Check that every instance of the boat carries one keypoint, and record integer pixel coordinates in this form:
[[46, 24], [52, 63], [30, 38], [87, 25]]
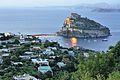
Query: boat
[[95, 40], [104, 39]]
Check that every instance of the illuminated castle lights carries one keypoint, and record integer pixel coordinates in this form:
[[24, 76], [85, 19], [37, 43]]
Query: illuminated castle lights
[[69, 24]]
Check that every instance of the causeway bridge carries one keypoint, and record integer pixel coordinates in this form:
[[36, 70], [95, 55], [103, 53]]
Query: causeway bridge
[[40, 35]]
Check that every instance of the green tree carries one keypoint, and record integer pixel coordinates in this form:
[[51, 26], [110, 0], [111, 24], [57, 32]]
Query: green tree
[[114, 76], [16, 41]]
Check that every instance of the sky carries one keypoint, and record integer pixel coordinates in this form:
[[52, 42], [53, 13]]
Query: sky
[[42, 3]]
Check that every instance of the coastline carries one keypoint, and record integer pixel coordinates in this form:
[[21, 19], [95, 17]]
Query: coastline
[[82, 27]]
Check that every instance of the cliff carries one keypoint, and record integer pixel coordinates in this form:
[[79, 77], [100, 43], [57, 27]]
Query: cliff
[[77, 26]]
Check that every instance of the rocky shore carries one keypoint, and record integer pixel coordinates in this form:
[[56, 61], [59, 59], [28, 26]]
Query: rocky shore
[[77, 26]]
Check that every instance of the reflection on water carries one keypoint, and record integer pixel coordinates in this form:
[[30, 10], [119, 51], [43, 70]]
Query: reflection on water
[[95, 44], [73, 41]]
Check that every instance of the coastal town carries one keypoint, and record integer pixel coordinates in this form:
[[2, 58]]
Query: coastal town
[[26, 57], [59, 39]]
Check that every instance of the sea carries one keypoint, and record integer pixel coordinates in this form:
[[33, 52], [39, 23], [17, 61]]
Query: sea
[[50, 20]]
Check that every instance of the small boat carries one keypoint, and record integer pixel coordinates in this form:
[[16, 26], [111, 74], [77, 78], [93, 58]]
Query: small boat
[[104, 39], [95, 40]]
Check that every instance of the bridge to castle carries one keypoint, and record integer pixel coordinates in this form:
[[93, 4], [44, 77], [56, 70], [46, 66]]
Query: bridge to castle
[[40, 35]]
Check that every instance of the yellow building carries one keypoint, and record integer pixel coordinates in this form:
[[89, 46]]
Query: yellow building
[[67, 22]]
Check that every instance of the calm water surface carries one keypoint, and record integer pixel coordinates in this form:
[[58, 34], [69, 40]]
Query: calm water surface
[[39, 20]]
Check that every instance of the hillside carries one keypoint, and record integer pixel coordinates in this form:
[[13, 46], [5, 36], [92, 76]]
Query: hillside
[[78, 26]]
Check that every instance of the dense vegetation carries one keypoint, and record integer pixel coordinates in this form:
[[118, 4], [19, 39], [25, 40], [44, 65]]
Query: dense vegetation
[[99, 66], [87, 24], [83, 66]]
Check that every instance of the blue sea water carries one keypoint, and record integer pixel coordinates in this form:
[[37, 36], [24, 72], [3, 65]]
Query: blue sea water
[[50, 20]]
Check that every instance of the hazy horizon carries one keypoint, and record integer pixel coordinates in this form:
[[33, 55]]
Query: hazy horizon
[[45, 3]]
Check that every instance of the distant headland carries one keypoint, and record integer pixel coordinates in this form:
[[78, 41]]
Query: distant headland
[[77, 26], [105, 10]]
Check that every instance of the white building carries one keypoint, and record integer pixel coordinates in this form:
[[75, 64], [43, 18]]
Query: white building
[[5, 54], [71, 53], [17, 63], [61, 64], [48, 51], [28, 53], [40, 61], [25, 57], [24, 77], [5, 50]]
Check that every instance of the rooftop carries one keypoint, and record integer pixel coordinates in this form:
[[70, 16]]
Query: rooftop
[[44, 69], [24, 77]]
